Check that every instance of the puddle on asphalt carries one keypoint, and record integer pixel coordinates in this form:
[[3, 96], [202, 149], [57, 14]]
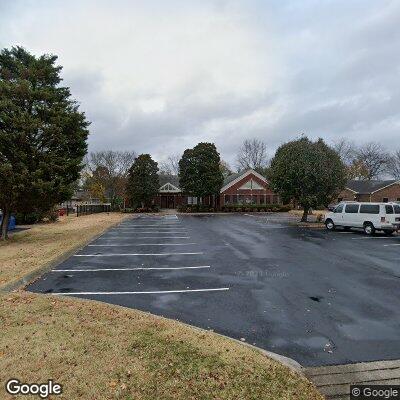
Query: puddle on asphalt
[[316, 298]]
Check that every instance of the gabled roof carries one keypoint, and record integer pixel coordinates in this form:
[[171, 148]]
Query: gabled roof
[[368, 187], [234, 178], [163, 179]]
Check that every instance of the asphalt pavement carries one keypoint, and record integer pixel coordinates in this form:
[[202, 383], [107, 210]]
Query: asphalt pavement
[[319, 297]]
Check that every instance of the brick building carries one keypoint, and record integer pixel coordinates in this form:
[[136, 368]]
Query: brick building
[[378, 191], [247, 187]]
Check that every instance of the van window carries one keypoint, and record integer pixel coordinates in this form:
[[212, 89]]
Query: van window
[[369, 209], [389, 209], [397, 209], [351, 208], [338, 209]]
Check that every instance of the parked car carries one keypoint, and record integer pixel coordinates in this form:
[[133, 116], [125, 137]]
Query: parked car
[[368, 216]]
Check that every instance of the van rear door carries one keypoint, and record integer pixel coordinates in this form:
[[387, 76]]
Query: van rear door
[[390, 215]]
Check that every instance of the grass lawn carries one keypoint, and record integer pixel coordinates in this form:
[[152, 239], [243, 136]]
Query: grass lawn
[[32, 249], [314, 212], [97, 351]]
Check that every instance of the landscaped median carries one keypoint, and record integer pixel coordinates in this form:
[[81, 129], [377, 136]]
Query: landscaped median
[[31, 251], [99, 351]]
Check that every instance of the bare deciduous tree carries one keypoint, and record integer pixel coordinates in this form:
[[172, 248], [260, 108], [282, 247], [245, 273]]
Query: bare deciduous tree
[[393, 168], [225, 168], [170, 166], [374, 158], [108, 169], [252, 154], [345, 149]]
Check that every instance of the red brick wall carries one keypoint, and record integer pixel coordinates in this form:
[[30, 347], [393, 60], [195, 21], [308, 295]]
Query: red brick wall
[[234, 190], [391, 192], [346, 195]]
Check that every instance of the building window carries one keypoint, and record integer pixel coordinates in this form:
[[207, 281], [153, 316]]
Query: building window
[[385, 200], [340, 199], [192, 200]]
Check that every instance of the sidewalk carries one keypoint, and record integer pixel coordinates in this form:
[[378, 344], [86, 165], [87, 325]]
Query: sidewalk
[[334, 381]]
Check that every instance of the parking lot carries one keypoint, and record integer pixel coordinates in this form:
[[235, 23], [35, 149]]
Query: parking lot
[[318, 297]]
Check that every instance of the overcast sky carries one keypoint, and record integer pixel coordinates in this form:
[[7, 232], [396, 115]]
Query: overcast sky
[[161, 76]]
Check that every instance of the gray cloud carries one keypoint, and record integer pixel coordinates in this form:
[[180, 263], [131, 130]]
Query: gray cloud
[[158, 76]]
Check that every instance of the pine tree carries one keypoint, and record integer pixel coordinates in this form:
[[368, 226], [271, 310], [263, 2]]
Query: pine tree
[[42, 134]]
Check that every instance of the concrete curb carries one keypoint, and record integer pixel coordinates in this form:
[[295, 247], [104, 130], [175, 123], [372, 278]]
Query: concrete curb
[[286, 361], [31, 276], [292, 364]]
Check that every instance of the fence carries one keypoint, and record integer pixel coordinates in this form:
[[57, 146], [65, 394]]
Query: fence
[[85, 209]]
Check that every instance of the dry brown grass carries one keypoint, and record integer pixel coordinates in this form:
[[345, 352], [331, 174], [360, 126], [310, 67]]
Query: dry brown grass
[[97, 351], [32, 249], [315, 212]]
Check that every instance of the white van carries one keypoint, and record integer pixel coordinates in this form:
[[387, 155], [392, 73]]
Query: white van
[[368, 216]]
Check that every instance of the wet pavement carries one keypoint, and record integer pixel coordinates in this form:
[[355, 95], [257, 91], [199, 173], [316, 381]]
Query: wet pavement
[[319, 297]]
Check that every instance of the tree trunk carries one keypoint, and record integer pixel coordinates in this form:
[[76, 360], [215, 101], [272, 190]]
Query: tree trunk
[[4, 223], [305, 214]]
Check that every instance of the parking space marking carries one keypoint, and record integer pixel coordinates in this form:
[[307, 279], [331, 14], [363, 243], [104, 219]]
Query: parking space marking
[[141, 244], [150, 292], [163, 225], [393, 244], [130, 269], [137, 254], [147, 237], [373, 237], [136, 232], [148, 229]]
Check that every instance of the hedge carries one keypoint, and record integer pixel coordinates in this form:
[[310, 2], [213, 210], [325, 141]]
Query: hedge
[[237, 208]]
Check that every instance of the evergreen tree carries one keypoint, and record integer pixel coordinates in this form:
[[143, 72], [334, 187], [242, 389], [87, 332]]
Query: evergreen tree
[[42, 134], [199, 170], [309, 173], [143, 181]]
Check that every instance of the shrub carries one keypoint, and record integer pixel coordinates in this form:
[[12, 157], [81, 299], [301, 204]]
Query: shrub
[[128, 210], [27, 218]]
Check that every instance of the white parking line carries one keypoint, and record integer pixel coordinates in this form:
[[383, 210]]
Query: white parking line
[[148, 230], [141, 244], [151, 292], [147, 237], [393, 244], [163, 225], [130, 269], [137, 254], [137, 232], [373, 237]]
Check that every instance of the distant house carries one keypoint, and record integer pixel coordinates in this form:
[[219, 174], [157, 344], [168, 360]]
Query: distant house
[[79, 197], [370, 191], [247, 187], [169, 194]]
